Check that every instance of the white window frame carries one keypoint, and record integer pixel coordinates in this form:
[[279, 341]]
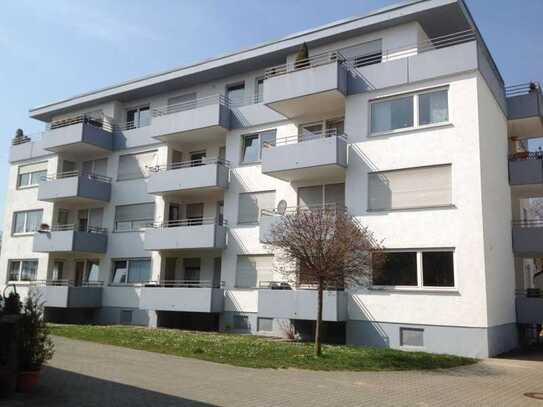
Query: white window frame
[[242, 149], [25, 233], [128, 260], [147, 172], [420, 283], [138, 110], [19, 186], [132, 229], [415, 98], [20, 261]]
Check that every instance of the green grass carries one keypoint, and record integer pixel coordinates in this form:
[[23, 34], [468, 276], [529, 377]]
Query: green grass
[[257, 352]]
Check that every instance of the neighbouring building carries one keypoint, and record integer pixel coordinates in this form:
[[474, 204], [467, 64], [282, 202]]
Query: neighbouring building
[[146, 202]]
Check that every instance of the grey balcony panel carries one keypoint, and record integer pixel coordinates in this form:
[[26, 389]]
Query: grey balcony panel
[[26, 151], [182, 299], [526, 172], [209, 176], [528, 241], [306, 160], [131, 138], [525, 106], [301, 304], [69, 241], [78, 187], [204, 123], [78, 138], [253, 115], [316, 90], [210, 236], [73, 297], [529, 310]]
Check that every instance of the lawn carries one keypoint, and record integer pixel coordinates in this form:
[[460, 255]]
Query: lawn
[[257, 352]]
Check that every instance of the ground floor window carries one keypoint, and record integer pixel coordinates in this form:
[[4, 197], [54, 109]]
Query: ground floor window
[[241, 322], [265, 324], [22, 270], [411, 337], [415, 268]]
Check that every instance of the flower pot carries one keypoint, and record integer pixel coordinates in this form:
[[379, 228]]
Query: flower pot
[[26, 381]]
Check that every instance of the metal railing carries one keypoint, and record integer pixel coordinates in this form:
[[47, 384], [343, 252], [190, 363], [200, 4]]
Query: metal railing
[[27, 138], [190, 105], [69, 227], [185, 284], [306, 63], [92, 119], [300, 138], [529, 292], [77, 173], [131, 125], [331, 206], [285, 285], [528, 223], [522, 89], [190, 222], [526, 155], [189, 164], [68, 283]]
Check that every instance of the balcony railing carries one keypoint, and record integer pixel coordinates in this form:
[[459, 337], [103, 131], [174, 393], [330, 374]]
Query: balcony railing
[[300, 138], [70, 174], [185, 284], [72, 283], [285, 285], [331, 206], [306, 63], [526, 155], [522, 89], [27, 138], [93, 119], [190, 222], [190, 105], [189, 164], [76, 228], [528, 223]]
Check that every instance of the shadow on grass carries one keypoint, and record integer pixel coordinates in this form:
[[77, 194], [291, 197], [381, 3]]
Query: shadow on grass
[[60, 387]]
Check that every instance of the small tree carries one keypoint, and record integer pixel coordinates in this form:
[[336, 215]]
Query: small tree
[[35, 346], [329, 248], [12, 304]]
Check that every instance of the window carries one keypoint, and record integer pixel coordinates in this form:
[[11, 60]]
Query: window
[[417, 268], [399, 112], [22, 270], [259, 90], [324, 128], [58, 271], [251, 204], [252, 270], [364, 54], [125, 317], [26, 221], [181, 103], [98, 167], [241, 322], [131, 271], [138, 117], [197, 158], [134, 166], [329, 195], [191, 268], [236, 94], [252, 145], [410, 188], [265, 324], [411, 337], [132, 218], [195, 213], [31, 175]]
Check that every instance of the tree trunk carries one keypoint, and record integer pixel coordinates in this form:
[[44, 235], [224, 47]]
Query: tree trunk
[[318, 322]]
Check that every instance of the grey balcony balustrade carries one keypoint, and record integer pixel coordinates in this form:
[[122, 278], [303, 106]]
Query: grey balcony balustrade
[[68, 294], [528, 237], [313, 156], [529, 304], [69, 238], [281, 300], [183, 296], [75, 186], [206, 174], [313, 86], [526, 168], [197, 233], [26, 147], [201, 120], [81, 135], [525, 110]]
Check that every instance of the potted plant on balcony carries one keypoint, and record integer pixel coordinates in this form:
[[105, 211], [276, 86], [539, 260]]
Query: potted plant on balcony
[[35, 347], [302, 57], [44, 228]]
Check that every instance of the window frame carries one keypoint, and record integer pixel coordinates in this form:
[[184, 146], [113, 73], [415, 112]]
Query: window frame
[[128, 260], [261, 146], [136, 124], [20, 269], [257, 222], [147, 172], [420, 281], [30, 176], [132, 229], [416, 114], [25, 232]]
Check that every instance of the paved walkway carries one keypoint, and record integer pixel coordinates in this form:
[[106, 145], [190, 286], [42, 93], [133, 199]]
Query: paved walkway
[[85, 374]]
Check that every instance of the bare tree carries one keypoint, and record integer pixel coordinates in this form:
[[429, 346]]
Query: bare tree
[[329, 248]]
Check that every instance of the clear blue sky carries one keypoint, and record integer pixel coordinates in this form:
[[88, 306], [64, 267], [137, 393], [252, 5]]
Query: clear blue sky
[[57, 48]]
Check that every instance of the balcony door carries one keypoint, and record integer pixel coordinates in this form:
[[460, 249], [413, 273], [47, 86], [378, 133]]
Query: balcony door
[[79, 273], [169, 271], [195, 213], [191, 271], [174, 213], [197, 158]]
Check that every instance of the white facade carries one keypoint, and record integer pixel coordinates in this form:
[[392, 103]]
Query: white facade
[[474, 315]]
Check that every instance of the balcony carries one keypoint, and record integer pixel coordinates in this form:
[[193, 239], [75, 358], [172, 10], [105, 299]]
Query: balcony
[[182, 296], [201, 233], [80, 136], [206, 174], [64, 294], [529, 306], [66, 238], [528, 237], [75, 186], [313, 86], [203, 120], [525, 110], [279, 300], [306, 157]]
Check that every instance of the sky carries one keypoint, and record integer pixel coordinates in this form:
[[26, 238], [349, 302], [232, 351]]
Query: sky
[[50, 50]]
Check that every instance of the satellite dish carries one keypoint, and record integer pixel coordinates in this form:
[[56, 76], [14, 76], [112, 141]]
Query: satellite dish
[[282, 207]]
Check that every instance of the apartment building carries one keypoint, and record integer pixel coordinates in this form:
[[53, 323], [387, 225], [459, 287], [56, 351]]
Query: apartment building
[[147, 202]]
